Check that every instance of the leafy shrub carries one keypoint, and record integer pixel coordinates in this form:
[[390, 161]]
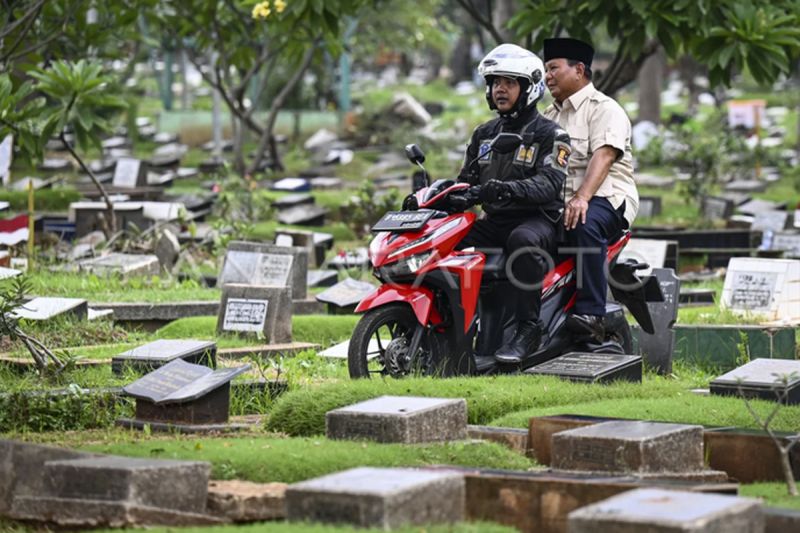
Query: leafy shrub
[[69, 410]]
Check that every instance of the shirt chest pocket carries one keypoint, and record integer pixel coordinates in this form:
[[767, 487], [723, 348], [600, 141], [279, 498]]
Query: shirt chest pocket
[[579, 138]]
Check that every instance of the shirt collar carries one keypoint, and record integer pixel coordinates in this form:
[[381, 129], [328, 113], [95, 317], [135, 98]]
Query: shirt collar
[[578, 98]]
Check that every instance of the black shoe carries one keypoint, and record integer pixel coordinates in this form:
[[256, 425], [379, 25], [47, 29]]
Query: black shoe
[[591, 325], [525, 341]]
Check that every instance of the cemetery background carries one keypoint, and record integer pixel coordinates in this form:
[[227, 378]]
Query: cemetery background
[[292, 426]]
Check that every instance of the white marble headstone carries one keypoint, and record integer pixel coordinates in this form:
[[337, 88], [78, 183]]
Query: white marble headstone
[[769, 288]]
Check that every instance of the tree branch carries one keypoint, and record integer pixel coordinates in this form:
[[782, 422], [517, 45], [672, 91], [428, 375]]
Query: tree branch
[[481, 20]]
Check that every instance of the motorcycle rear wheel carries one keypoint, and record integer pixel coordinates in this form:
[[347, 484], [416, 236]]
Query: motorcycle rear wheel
[[391, 327], [620, 333]]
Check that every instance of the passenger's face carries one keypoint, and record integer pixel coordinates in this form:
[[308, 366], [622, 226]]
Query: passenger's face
[[505, 92], [562, 80]]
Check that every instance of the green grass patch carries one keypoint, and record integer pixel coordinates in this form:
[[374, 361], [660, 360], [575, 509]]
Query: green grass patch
[[284, 527], [774, 494], [265, 459], [683, 407], [44, 200], [302, 411]]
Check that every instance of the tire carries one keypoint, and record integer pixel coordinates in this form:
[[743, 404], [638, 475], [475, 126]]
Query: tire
[[385, 324], [621, 334]]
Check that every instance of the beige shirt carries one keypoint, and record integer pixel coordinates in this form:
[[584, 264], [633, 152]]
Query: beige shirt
[[594, 120]]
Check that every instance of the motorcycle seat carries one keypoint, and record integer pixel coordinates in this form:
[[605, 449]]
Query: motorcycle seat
[[495, 267]]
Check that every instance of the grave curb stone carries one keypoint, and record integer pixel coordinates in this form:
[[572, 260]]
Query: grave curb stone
[[409, 420], [628, 512], [192, 351], [513, 438], [652, 447], [434, 498], [244, 501], [779, 520]]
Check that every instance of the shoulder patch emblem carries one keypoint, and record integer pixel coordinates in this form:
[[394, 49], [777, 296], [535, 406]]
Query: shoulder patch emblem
[[561, 153], [484, 153]]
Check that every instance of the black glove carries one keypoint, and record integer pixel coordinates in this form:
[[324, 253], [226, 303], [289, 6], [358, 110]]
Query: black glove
[[410, 203], [494, 190], [463, 201]]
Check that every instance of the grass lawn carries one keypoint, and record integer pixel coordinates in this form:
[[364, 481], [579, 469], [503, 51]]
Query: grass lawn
[[268, 458], [775, 494], [283, 527]]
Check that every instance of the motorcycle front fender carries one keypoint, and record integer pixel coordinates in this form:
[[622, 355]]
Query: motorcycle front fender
[[419, 298]]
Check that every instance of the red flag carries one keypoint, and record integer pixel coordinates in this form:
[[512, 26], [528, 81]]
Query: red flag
[[14, 230]]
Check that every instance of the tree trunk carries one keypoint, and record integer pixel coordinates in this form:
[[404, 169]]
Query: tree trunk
[[791, 485], [461, 62], [689, 69], [651, 80], [624, 70], [503, 11]]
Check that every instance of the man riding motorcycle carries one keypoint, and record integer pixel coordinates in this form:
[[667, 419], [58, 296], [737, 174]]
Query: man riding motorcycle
[[520, 191]]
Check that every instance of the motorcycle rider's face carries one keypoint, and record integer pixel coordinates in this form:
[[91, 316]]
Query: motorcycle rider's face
[[505, 92]]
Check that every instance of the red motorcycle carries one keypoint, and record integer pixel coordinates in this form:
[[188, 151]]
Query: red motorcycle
[[441, 311]]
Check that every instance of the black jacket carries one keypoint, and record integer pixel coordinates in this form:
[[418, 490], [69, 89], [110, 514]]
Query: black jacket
[[537, 168]]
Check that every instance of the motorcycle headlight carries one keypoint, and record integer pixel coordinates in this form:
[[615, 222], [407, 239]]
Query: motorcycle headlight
[[408, 265]]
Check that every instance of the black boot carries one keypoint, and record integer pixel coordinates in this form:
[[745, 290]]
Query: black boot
[[589, 325], [525, 341]]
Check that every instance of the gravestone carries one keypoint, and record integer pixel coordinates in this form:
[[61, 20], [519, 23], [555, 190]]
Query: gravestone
[[654, 252], [656, 349], [746, 186], [716, 208], [358, 258], [129, 173], [123, 264], [255, 264], [773, 221], [86, 216], [292, 200], [762, 378], [54, 164], [303, 215], [45, 308], [765, 287], [629, 447], [263, 310], [405, 419], [658, 182], [158, 353], [669, 511], [592, 367], [649, 206], [383, 498], [116, 142], [326, 183], [757, 205], [788, 242], [315, 242], [321, 278], [291, 185], [345, 296], [183, 394]]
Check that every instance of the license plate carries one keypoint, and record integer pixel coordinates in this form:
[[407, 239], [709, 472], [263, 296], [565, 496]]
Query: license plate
[[403, 221]]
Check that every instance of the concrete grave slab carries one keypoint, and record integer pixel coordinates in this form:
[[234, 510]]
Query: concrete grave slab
[[592, 367], [788, 242], [385, 498], [156, 354], [405, 419], [244, 501], [45, 308], [666, 511], [773, 221], [339, 351], [769, 288], [303, 215], [345, 295], [716, 208], [124, 264], [632, 447], [316, 278], [762, 378]]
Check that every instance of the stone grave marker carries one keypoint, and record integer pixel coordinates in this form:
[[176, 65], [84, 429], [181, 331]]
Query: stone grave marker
[[669, 511], [255, 263], [129, 173], [767, 287], [716, 208], [592, 367], [649, 206], [22, 184], [124, 264], [757, 205], [326, 183], [291, 185], [249, 309], [292, 200], [158, 353], [747, 186], [45, 308], [658, 182], [358, 258], [788, 242], [303, 215], [316, 243], [762, 378], [86, 216], [345, 296], [320, 278], [630, 447], [116, 142], [656, 349], [383, 498], [181, 393], [54, 164], [405, 419], [796, 219], [773, 221], [656, 253]]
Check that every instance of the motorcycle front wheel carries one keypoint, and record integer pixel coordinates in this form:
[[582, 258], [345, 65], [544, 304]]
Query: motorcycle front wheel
[[381, 342]]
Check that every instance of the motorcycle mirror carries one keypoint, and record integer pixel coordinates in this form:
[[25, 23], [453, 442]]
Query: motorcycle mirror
[[503, 143], [414, 154]]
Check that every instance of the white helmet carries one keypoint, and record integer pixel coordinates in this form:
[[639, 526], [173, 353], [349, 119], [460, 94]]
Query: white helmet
[[512, 61]]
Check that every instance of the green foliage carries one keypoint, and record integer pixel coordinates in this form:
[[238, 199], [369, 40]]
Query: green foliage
[[302, 411], [262, 460], [84, 100], [685, 408], [773, 493], [70, 410], [20, 116], [365, 208], [54, 200], [729, 35]]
